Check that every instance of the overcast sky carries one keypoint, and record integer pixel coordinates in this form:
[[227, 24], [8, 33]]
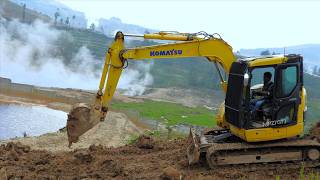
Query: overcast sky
[[243, 24]]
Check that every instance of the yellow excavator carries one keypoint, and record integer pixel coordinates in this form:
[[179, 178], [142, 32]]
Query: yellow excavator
[[270, 133]]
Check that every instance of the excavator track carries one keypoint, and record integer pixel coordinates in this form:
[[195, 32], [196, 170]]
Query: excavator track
[[227, 152], [270, 166]]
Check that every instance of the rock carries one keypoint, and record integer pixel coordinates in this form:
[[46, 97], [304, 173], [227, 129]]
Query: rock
[[83, 156], [170, 173], [3, 174], [145, 142], [13, 155]]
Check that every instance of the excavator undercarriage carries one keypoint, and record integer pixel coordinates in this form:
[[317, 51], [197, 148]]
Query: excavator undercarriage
[[220, 148]]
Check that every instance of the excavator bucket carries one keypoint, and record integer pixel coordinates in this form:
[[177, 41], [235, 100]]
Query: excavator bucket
[[81, 118], [193, 148]]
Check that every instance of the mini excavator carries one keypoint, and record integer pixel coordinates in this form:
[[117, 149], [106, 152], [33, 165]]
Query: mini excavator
[[271, 133]]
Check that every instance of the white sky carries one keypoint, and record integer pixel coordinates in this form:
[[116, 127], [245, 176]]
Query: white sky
[[243, 24]]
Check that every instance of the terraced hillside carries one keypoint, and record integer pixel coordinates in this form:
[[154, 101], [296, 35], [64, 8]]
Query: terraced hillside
[[10, 10]]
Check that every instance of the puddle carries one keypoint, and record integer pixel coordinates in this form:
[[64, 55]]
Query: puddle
[[15, 120]]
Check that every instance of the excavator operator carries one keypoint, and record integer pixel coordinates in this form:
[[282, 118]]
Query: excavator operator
[[266, 92]]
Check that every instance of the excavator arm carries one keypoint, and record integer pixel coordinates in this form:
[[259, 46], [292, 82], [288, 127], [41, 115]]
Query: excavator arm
[[83, 117]]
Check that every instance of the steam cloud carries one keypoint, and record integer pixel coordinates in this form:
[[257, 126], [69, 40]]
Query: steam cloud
[[41, 55]]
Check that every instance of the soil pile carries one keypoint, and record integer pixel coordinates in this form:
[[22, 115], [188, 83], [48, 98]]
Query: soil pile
[[147, 159]]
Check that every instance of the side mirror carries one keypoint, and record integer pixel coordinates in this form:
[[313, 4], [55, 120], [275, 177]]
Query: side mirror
[[246, 79]]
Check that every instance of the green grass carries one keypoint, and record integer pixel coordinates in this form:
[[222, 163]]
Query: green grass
[[132, 139], [169, 113]]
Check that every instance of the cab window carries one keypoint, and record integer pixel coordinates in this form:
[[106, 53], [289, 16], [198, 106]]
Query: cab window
[[288, 81], [257, 75]]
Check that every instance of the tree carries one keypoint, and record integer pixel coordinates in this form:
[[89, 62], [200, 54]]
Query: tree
[[67, 21], [265, 53], [92, 27], [73, 18], [146, 32], [146, 40], [23, 12], [56, 15]]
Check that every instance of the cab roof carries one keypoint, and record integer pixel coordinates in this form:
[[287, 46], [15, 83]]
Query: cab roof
[[268, 60]]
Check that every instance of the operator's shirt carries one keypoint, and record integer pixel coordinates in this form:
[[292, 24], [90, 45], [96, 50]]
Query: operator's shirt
[[268, 87]]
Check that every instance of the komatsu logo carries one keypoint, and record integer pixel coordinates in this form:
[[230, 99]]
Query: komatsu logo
[[166, 53]]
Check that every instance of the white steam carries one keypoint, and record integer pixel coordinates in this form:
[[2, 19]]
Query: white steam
[[39, 54], [135, 80]]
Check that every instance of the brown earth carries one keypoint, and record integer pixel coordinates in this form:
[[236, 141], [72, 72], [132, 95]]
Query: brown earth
[[161, 160]]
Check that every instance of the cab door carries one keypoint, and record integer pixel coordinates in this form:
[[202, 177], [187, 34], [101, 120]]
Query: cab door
[[288, 84]]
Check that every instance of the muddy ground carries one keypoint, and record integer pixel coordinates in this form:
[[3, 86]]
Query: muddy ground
[[146, 159]]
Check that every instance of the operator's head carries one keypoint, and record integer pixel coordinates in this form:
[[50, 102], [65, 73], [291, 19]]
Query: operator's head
[[267, 77]]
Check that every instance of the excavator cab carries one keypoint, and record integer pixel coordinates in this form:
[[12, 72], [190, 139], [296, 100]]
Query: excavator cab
[[269, 137], [281, 114]]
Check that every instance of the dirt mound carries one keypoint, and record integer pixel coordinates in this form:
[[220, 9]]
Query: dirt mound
[[165, 160]]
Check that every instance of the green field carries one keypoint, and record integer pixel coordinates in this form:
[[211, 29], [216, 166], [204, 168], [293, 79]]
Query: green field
[[169, 113]]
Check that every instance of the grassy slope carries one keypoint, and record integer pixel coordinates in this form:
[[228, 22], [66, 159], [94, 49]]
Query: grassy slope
[[169, 113]]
